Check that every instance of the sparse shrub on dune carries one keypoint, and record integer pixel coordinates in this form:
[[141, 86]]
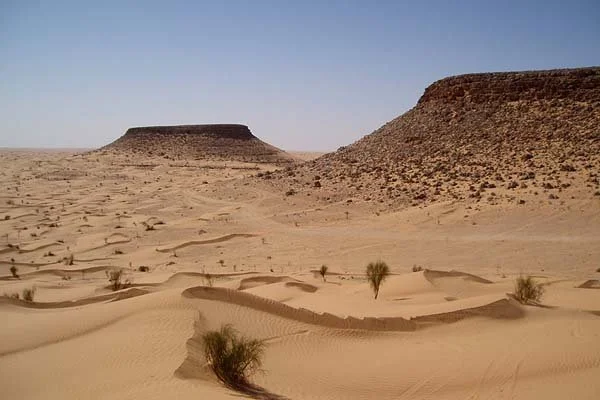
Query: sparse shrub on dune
[[28, 294], [115, 277], [69, 260], [417, 268], [233, 358], [147, 226], [14, 271], [323, 271], [377, 272], [527, 290]]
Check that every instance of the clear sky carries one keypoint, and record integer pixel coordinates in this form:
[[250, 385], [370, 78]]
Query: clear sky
[[303, 75]]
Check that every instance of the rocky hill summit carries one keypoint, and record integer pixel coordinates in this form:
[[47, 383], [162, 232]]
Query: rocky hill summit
[[219, 142], [491, 137]]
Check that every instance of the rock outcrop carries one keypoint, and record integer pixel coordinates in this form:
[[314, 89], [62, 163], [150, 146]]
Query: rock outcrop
[[219, 142], [490, 137]]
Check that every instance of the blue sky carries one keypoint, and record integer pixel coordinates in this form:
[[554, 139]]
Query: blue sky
[[304, 75]]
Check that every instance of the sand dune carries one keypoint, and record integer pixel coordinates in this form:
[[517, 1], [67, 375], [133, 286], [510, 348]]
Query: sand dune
[[166, 249], [251, 259]]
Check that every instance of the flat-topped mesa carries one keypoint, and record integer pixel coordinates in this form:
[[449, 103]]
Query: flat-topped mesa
[[490, 137], [219, 142], [580, 84], [225, 131]]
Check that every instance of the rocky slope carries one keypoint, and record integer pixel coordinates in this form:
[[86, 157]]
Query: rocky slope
[[199, 142], [491, 137]]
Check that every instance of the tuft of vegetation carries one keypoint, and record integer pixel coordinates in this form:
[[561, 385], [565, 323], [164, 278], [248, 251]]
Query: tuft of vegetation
[[115, 277], [28, 294], [147, 226], [143, 268], [233, 358], [377, 272], [209, 279], [527, 290], [417, 268], [69, 260], [14, 271], [118, 251], [323, 271]]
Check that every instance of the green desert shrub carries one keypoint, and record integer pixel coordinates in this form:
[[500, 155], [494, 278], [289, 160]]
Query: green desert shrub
[[69, 260], [115, 277], [28, 294], [528, 290], [209, 279], [417, 268], [323, 271], [377, 272], [233, 358]]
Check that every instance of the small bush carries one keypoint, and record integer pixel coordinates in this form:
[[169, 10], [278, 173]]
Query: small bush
[[232, 358], [417, 268], [28, 294], [209, 280], [14, 271], [528, 290], [148, 226], [118, 251], [376, 273], [143, 268], [323, 271], [115, 277], [69, 260]]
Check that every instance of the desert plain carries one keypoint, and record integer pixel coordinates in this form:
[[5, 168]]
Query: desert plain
[[219, 250]]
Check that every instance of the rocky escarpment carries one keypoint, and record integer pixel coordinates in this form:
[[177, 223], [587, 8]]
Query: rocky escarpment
[[218, 142], [496, 137], [580, 85]]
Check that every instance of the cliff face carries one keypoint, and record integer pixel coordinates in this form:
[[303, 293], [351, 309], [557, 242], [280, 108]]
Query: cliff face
[[212, 131], [222, 142], [487, 137], [568, 84]]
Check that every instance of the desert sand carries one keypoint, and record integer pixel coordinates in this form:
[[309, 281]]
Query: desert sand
[[220, 249]]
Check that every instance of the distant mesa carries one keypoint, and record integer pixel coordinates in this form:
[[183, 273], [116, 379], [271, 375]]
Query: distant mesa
[[485, 137], [219, 142]]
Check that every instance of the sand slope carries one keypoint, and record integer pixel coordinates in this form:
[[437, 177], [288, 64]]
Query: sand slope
[[232, 253]]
